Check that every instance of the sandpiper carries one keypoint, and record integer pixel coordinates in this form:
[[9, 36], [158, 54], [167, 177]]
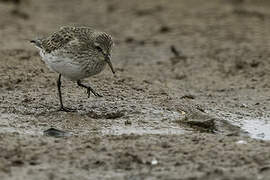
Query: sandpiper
[[76, 53]]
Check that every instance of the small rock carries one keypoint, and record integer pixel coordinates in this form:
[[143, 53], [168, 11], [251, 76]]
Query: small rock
[[164, 29], [55, 133], [188, 96], [241, 142], [154, 162], [243, 106], [183, 112], [129, 40], [128, 122]]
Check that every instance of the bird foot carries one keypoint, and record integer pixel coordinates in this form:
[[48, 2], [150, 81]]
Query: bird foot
[[89, 90]]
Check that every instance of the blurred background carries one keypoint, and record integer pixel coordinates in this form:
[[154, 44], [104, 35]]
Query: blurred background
[[215, 39]]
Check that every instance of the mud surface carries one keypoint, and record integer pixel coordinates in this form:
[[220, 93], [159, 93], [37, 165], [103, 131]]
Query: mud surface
[[190, 99]]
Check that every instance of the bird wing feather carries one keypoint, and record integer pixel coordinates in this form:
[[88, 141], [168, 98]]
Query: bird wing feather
[[66, 35], [57, 40]]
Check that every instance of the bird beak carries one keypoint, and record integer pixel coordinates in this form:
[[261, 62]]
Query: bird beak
[[108, 60]]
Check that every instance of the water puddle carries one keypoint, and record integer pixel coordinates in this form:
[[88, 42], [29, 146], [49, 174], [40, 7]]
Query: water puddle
[[148, 120], [257, 128], [143, 119], [118, 130]]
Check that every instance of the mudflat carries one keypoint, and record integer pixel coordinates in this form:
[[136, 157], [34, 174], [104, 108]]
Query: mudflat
[[190, 99]]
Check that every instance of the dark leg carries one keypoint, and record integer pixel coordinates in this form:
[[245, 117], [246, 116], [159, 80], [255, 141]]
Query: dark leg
[[89, 89], [62, 108]]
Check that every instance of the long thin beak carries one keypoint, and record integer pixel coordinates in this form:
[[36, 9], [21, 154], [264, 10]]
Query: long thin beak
[[108, 60]]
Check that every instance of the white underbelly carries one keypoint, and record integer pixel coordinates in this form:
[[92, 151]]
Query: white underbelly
[[64, 65]]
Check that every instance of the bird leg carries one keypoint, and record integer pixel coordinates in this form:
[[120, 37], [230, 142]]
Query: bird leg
[[89, 89], [62, 108]]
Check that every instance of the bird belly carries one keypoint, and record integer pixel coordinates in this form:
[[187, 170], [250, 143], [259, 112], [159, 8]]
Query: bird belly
[[64, 65]]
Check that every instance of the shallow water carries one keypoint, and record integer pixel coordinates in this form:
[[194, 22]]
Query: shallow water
[[257, 128], [150, 120], [118, 130]]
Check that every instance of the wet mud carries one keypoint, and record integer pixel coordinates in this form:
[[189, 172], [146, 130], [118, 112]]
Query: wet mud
[[190, 98]]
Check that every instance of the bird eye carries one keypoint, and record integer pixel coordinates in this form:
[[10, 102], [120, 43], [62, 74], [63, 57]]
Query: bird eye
[[99, 48]]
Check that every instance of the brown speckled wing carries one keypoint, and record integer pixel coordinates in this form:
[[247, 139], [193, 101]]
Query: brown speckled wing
[[57, 40], [65, 35]]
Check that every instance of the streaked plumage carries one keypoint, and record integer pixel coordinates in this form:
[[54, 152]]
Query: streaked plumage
[[76, 53]]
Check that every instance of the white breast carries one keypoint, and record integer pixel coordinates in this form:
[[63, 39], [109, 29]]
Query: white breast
[[63, 65]]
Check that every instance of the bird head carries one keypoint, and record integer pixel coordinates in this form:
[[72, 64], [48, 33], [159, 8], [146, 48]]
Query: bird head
[[103, 46]]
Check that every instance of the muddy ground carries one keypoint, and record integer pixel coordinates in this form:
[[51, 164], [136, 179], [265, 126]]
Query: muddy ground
[[190, 99]]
